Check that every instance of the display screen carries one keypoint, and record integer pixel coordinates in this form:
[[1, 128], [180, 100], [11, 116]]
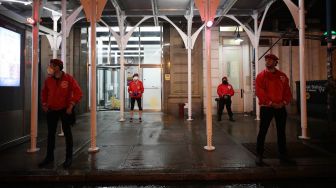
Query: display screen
[[10, 55]]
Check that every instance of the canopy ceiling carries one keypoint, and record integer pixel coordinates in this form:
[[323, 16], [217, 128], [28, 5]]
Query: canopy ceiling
[[278, 17]]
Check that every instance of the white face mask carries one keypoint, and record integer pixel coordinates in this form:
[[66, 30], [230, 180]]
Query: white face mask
[[50, 71], [135, 78]]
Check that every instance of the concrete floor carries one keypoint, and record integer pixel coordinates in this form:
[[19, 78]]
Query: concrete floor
[[163, 148]]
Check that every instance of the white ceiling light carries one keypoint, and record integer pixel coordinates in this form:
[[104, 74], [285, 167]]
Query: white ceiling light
[[230, 28], [209, 23]]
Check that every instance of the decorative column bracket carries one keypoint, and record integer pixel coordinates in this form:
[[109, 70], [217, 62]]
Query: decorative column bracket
[[123, 40], [294, 10], [71, 20], [253, 35], [182, 34]]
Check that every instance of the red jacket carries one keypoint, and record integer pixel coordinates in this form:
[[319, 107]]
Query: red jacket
[[272, 88], [58, 94], [225, 89], [137, 89]]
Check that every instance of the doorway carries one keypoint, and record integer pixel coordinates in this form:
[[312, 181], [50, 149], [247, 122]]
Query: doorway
[[108, 88], [153, 89], [232, 62]]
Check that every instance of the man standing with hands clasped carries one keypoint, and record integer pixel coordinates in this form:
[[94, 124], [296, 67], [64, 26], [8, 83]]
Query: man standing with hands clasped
[[225, 92], [273, 92], [60, 93]]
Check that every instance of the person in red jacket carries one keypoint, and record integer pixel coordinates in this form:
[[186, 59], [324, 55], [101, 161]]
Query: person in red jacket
[[60, 93], [225, 92], [273, 92], [135, 90]]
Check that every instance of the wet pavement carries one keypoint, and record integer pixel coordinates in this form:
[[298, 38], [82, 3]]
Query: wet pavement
[[163, 148]]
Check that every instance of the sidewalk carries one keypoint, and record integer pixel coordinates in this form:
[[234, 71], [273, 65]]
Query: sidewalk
[[164, 148]]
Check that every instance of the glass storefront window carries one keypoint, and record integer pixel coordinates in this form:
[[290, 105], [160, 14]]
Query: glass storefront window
[[143, 47]]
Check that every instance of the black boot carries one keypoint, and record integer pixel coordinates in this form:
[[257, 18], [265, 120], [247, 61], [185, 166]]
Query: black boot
[[259, 160], [67, 163], [231, 119], [46, 161]]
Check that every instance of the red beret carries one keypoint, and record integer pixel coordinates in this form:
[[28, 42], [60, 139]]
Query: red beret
[[272, 56], [56, 62]]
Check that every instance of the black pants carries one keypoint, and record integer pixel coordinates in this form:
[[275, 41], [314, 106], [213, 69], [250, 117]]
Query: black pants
[[266, 116], [52, 119], [227, 102], [133, 102]]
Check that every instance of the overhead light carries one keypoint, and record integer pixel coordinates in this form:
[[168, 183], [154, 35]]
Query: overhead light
[[17, 1], [209, 23], [31, 21], [237, 37]]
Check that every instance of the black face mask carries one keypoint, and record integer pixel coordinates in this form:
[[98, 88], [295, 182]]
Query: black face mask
[[224, 82]]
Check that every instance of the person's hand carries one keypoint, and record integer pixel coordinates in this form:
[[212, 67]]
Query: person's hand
[[45, 108], [69, 109], [130, 92]]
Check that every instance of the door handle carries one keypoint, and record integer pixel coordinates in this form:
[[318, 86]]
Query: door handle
[[241, 93]]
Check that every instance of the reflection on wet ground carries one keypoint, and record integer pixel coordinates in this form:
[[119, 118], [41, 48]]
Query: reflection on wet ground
[[164, 148]]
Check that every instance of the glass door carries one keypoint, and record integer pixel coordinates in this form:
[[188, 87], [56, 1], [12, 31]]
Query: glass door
[[108, 89]]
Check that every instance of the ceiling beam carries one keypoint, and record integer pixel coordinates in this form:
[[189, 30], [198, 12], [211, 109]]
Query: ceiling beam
[[225, 9], [120, 13], [155, 12], [191, 8], [10, 14], [240, 12], [262, 8], [116, 6]]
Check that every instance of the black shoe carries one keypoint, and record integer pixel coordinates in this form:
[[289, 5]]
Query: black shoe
[[131, 120], [287, 161], [259, 161], [231, 119], [67, 163], [140, 120], [45, 162]]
